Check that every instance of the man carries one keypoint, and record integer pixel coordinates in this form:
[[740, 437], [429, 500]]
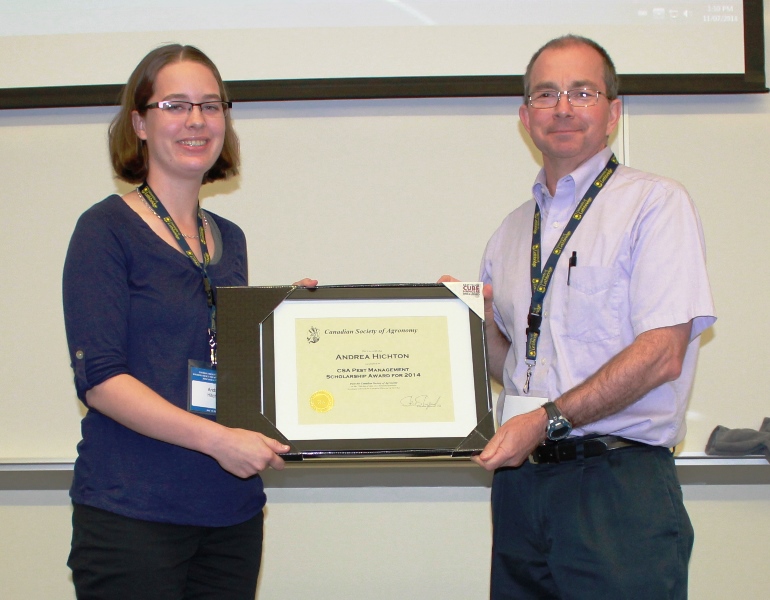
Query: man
[[597, 316]]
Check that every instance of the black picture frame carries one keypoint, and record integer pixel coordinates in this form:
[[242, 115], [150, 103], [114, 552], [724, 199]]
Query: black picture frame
[[246, 372]]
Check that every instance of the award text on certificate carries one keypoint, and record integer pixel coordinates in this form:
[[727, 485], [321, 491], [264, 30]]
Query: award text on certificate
[[373, 370]]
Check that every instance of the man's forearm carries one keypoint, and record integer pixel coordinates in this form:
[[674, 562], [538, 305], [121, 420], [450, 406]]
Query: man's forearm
[[654, 358]]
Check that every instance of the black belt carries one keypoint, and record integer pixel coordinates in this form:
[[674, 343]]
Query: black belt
[[572, 448]]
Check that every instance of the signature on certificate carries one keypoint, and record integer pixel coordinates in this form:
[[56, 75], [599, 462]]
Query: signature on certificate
[[422, 401]]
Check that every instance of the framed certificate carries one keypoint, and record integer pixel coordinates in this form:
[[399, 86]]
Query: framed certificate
[[356, 371]]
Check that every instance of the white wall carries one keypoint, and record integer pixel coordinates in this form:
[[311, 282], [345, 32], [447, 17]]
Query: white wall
[[378, 191]]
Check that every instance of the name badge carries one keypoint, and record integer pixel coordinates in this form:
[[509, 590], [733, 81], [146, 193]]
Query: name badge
[[518, 405], [201, 388]]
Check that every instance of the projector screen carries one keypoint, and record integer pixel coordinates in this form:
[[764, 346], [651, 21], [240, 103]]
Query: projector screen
[[75, 52]]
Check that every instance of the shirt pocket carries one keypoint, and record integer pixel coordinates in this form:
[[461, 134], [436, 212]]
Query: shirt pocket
[[593, 304]]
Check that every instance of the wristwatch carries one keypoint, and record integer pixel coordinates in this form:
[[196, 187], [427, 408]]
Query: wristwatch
[[558, 426]]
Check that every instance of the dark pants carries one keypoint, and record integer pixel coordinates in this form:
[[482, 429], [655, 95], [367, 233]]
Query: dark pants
[[612, 527], [115, 557]]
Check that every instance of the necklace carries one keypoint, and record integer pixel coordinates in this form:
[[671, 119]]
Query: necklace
[[152, 210]]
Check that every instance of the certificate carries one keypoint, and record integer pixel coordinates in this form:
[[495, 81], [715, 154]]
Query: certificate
[[373, 370], [355, 371]]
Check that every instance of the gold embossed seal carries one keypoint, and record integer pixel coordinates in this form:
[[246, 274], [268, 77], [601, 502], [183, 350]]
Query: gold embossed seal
[[321, 401]]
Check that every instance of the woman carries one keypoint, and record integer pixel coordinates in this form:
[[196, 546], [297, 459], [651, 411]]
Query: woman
[[167, 504]]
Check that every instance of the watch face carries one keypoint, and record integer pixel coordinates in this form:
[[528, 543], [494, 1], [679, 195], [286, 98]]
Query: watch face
[[559, 431]]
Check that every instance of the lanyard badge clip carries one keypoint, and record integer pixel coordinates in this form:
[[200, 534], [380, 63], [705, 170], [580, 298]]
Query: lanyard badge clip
[[530, 365], [213, 348], [534, 321]]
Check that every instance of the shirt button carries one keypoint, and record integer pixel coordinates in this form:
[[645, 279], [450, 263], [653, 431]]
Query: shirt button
[[542, 361], [556, 225]]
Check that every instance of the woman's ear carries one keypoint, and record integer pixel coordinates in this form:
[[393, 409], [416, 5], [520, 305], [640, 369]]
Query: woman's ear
[[137, 121]]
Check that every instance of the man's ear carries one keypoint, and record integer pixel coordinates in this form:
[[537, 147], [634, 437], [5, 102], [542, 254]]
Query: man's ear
[[616, 111], [524, 116]]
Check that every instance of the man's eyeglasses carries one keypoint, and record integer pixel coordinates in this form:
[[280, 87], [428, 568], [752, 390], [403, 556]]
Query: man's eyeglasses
[[581, 98], [181, 108]]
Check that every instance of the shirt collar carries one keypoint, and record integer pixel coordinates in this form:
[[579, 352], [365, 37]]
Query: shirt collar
[[579, 180]]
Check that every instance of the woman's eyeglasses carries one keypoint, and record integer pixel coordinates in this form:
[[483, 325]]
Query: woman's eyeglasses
[[181, 108]]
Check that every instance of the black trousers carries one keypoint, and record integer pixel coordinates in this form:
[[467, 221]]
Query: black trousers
[[608, 527], [115, 558]]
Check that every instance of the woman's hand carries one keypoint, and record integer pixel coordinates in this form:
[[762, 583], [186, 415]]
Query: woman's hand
[[306, 282], [245, 453]]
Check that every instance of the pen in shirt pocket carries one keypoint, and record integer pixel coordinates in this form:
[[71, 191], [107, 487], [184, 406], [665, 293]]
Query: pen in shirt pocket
[[572, 263]]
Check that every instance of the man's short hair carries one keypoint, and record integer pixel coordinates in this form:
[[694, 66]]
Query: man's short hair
[[610, 74]]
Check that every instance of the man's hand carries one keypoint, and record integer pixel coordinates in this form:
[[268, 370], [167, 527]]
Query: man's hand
[[514, 441]]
